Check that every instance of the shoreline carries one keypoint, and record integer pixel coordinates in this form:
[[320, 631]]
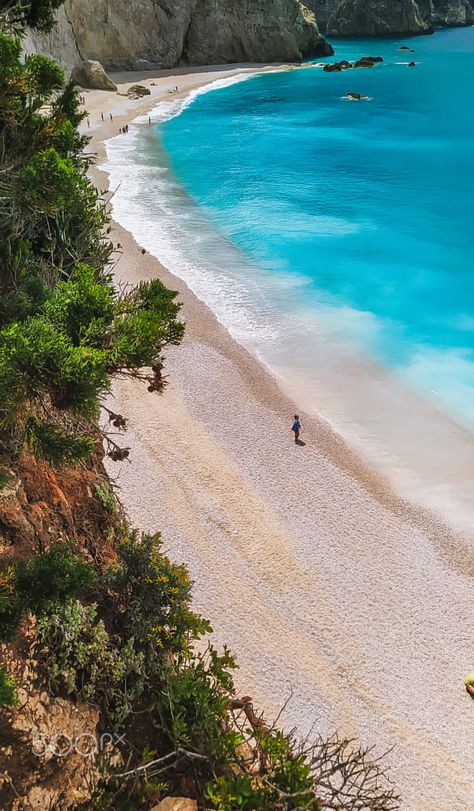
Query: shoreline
[[430, 465], [302, 550]]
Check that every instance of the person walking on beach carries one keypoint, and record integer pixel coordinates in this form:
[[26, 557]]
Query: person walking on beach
[[296, 427], [102, 116]]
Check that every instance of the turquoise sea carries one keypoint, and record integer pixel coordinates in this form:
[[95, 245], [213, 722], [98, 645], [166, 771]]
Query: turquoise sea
[[333, 238]]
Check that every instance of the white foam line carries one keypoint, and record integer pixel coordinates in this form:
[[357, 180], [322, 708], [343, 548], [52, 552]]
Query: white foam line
[[166, 110]]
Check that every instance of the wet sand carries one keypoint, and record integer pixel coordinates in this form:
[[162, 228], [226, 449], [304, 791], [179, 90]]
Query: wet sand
[[322, 580]]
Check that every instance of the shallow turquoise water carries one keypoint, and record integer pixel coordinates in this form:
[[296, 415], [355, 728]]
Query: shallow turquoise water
[[361, 211]]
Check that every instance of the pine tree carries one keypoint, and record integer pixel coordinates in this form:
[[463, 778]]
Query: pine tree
[[64, 330]]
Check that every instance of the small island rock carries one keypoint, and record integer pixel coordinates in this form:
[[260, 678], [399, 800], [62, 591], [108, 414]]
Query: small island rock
[[336, 67], [368, 61]]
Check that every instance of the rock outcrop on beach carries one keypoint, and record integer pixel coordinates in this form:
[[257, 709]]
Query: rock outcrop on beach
[[137, 91], [91, 74], [379, 18], [164, 33]]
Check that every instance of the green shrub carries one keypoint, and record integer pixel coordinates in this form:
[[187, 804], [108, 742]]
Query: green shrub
[[32, 585], [106, 496], [12, 607], [234, 793], [54, 576], [152, 600], [38, 14], [64, 329], [192, 704], [85, 661], [55, 445], [8, 696]]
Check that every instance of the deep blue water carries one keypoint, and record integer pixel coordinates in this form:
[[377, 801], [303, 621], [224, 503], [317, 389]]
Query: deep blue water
[[364, 208]]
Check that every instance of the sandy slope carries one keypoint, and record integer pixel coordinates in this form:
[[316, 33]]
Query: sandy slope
[[321, 580]]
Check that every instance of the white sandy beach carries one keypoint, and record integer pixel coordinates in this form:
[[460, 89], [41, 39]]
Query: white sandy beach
[[322, 580]]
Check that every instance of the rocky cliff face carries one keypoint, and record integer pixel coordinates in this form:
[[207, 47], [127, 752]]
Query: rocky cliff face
[[251, 30], [376, 18], [163, 33], [61, 43], [40, 507], [452, 12], [379, 18]]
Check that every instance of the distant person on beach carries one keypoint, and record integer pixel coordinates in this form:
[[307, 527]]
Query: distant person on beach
[[110, 114], [296, 427], [149, 120], [102, 116]]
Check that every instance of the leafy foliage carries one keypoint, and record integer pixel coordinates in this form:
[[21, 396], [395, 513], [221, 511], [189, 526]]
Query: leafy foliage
[[39, 14], [57, 363], [64, 329], [48, 207], [106, 497], [84, 660], [53, 576], [151, 600], [11, 607], [33, 585], [192, 704], [8, 696]]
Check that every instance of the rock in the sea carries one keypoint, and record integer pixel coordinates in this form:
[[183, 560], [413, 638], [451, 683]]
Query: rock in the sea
[[368, 61], [136, 91], [356, 97], [336, 67], [91, 74]]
